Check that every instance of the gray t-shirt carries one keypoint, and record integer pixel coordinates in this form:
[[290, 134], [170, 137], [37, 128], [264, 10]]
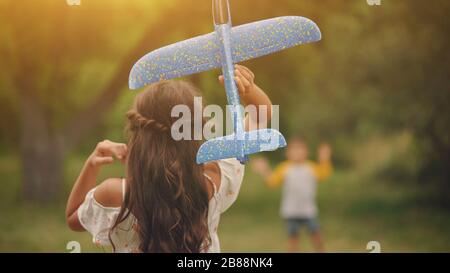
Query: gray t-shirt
[[299, 192]]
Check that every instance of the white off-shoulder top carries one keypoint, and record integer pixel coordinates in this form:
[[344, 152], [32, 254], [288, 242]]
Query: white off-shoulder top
[[98, 219]]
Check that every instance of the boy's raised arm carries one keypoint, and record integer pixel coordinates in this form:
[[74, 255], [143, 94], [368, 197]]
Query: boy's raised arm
[[260, 165], [277, 176], [324, 168]]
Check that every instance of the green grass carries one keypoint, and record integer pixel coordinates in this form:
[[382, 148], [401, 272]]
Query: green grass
[[354, 209]]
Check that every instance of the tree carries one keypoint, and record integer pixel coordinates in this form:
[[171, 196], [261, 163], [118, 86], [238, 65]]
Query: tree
[[47, 44]]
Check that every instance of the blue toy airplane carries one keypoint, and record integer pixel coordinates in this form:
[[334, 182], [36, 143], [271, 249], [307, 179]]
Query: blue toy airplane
[[222, 49]]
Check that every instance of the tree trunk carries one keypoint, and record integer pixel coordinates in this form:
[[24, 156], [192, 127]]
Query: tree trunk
[[41, 154]]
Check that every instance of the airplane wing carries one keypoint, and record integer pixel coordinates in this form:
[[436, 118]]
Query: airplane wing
[[269, 36], [202, 53], [177, 60]]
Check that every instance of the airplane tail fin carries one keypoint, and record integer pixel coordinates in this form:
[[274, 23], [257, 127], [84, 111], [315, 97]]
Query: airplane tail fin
[[239, 147]]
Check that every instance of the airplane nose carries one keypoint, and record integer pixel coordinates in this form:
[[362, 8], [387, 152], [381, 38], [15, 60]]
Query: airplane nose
[[221, 12]]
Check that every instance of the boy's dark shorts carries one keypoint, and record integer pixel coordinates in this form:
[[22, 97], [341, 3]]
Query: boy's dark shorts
[[293, 225]]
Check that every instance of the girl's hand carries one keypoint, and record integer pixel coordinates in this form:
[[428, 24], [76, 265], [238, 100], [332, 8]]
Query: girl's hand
[[105, 152], [251, 94], [245, 80]]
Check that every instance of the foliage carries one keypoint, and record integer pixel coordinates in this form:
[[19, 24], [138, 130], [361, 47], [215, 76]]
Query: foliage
[[379, 70]]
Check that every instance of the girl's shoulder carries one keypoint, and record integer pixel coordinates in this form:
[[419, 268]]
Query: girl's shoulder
[[110, 192], [100, 209]]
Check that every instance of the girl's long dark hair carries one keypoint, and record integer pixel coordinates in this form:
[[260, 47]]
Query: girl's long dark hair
[[166, 191]]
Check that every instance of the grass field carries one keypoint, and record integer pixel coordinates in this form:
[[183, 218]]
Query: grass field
[[353, 211]]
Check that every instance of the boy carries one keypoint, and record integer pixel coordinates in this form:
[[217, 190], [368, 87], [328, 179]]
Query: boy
[[299, 176]]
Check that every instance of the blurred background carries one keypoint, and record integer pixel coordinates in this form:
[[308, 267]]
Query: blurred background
[[376, 87]]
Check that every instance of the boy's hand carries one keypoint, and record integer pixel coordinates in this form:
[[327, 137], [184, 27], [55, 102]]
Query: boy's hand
[[245, 80], [324, 152], [105, 152], [260, 165]]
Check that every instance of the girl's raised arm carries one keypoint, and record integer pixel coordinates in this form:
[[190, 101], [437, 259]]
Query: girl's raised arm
[[251, 94], [103, 154]]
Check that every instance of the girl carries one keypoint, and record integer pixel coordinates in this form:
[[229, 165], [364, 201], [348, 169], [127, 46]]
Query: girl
[[167, 203]]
